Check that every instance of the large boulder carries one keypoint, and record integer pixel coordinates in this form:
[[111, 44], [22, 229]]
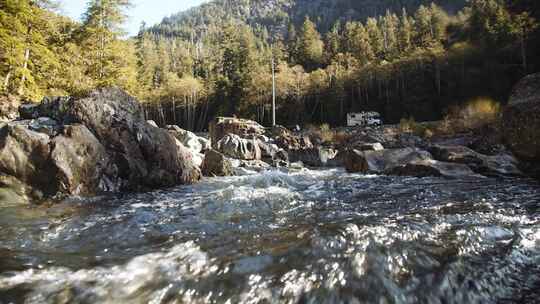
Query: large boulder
[[152, 123], [83, 165], [289, 141], [369, 147], [216, 164], [521, 119], [99, 143], [501, 164], [24, 156], [147, 157], [244, 128], [404, 162], [314, 157], [272, 154], [189, 139], [234, 146], [379, 162], [430, 167]]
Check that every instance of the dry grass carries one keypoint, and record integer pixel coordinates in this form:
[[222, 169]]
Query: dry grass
[[326, 135], [419, 129], [475, 114]]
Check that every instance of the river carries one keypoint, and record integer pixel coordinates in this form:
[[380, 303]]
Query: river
[[310, 236]]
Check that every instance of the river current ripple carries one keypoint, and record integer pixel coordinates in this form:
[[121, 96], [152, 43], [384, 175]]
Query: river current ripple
[[311, 236]]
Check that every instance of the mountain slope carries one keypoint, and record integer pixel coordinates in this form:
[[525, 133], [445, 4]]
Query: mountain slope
[[275, 15]]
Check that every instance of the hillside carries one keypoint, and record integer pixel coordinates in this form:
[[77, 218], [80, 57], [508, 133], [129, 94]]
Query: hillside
[[215, 60], [275, 15]]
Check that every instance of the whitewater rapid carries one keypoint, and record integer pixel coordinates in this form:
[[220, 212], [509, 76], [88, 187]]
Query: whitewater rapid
[[309, 236]]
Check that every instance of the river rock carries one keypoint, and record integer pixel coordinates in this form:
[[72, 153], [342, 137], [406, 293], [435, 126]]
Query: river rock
[[83, 165], [45, 125], [52, 107], [14, 192], [98, 143], [152, 123], [272, 154], [501, 164], [189, 139], [234, 146], [147, 157], [430, 167], [254, 165], [521, 119], [24, 155], [382, 161], [288, 141], [55, 107], [313, 157], [9, 106], [216, 164], [244, 128], [369, 147], [29, 111]]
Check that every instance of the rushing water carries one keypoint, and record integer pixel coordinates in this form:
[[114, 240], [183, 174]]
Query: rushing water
[[304, 237]]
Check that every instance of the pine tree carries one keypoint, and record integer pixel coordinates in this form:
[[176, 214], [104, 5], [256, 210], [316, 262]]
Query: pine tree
[[389, 25], [439, 23], [310, 49], [376, 39], [333, 43], [358, 42], [23, 27], [406, 33], [101, 29], [424, 31]]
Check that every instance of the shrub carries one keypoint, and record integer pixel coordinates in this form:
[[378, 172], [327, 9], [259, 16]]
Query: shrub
[[475, 114], [325, 134], [408, 125]]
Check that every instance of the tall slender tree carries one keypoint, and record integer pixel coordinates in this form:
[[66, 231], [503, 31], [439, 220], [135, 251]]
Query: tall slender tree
[[311, 46], [102, 23]]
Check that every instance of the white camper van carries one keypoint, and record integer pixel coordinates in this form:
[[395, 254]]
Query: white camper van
[[364, 119]]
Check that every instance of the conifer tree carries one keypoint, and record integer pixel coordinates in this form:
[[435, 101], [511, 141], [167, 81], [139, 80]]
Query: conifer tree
[[310, 48], [405, 32], [333, 43], [23, 31], [376, 39], [102, 23]]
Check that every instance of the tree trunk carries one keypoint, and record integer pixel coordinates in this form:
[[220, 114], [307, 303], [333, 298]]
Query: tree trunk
[[25, 66], [523, 53], [6, 80], [174, 110]]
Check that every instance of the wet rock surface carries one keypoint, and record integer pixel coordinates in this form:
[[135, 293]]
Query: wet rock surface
[[234, 146], [501, 164], [243, 128], [83, 165], [382, 161], [216, 164], [24, 156], [430, 167]]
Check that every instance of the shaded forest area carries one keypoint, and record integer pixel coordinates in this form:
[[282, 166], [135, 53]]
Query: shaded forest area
[[419, 61]]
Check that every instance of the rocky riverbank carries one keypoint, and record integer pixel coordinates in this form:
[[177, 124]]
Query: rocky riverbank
[[102, 144]]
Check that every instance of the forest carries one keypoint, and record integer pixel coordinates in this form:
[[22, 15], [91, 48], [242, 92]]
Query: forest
[[403, 58]]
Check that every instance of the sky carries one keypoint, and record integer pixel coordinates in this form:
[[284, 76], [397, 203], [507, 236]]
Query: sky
[[149, 11]]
